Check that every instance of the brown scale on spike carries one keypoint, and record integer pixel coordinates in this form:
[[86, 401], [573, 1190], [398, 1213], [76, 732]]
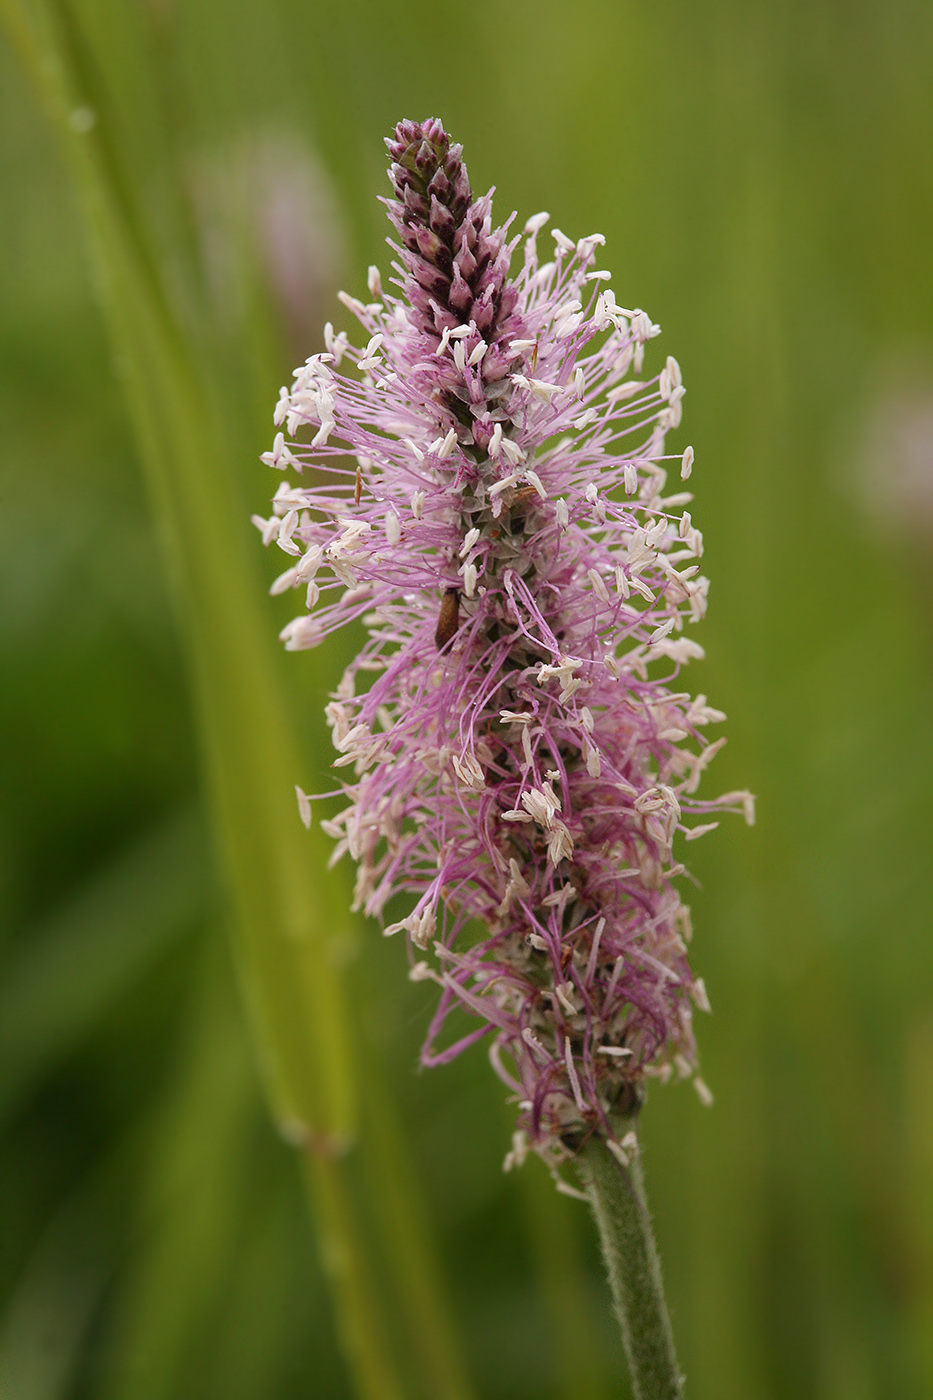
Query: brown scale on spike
[[449, 619]]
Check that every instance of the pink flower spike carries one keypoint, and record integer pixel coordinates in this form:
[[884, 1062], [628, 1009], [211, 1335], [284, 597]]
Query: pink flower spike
[[483, 483]]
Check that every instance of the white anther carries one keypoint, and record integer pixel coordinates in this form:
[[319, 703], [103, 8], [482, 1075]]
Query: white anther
[[352, 304], [511, 452], [443, 447], [534, 480], [283, 583], [564, 991], [539, 388], [588, 245], [704, 1093], [700, 996], [530, 1039], [621, 392], [536, 223], [469, 772], [618, 1152], [304, 806], [572, 1075], [526, 746], [503, 484], [599, 586]]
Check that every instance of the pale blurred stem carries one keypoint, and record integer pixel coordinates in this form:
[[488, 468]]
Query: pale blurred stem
[[289, 912], [343, 1253], [617, 1197]]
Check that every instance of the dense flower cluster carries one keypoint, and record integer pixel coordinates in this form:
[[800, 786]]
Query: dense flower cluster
[[487, 490]]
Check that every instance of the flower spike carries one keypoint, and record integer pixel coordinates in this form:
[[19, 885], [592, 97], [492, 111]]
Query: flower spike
[[489, 495]]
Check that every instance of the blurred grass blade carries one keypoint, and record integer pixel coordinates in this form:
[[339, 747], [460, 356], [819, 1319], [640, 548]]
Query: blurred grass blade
[[405, 1235], [70, 971], [52, 1308], [195, 1194], [287, 920], [553, 1226]]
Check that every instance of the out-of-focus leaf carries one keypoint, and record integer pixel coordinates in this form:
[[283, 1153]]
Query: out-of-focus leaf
[[577, 1336], [194, 1195], [45, 1323], [65, 975]]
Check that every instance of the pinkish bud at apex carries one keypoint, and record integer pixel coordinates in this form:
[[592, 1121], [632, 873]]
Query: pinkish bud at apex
[[456, 264]]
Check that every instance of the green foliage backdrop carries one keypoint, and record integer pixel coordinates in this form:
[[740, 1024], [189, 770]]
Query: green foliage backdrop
[[763, 173]]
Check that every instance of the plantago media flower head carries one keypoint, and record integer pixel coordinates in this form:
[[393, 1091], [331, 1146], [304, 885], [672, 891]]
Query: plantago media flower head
[[488, 493]]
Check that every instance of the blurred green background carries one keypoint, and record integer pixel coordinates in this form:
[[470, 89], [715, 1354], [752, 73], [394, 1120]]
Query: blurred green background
[[763, 173]]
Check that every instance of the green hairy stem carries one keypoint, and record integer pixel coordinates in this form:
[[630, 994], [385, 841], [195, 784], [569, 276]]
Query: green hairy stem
[[617, 1197]]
